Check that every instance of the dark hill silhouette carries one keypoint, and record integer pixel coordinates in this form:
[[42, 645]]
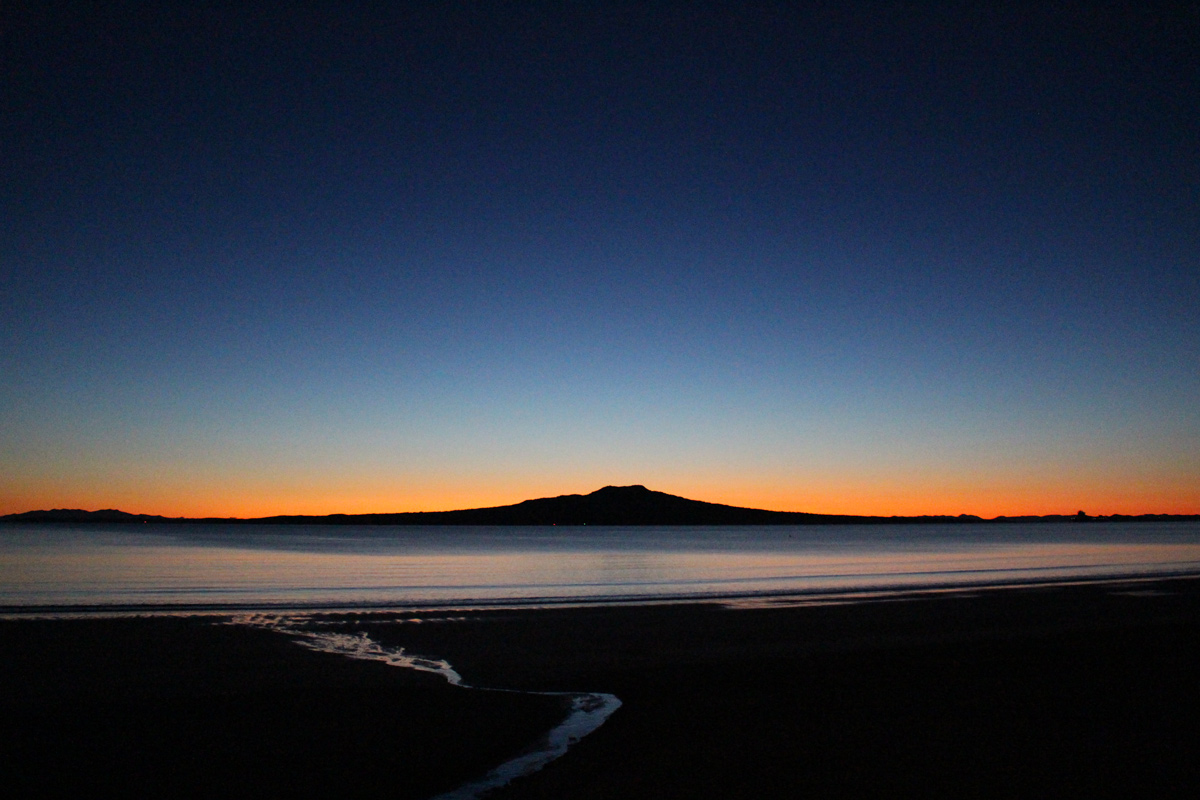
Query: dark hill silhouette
[[78, 515], [612, 505]]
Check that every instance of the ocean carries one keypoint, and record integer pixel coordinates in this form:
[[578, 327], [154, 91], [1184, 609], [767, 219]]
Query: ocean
[[218, 567]]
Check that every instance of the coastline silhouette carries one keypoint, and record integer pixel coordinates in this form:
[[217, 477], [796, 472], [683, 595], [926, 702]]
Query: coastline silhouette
[[611, 505]]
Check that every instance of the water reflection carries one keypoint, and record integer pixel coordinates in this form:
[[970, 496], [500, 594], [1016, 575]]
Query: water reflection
[[247, 565]]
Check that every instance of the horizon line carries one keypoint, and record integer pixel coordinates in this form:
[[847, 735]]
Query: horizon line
[[1079, 514]]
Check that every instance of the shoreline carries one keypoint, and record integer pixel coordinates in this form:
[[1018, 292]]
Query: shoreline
[[1035, 690], [766, 598]]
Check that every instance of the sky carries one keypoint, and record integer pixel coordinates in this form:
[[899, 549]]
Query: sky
[[886, 258]]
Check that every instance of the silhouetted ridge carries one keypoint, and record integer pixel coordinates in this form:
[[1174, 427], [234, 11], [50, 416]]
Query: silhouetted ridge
[[612, 505], [633, 505], [79, 515]]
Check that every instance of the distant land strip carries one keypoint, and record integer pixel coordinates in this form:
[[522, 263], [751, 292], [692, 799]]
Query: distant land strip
[[612, 505]]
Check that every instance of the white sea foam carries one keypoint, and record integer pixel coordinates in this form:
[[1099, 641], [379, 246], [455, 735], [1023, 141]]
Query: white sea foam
[[589, 710]]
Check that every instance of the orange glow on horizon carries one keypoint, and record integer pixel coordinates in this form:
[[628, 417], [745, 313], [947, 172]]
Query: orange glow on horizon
[[1012, 498], [988, 502]]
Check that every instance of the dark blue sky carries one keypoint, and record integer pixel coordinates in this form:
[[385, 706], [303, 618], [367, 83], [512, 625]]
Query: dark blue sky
[[870, 258]]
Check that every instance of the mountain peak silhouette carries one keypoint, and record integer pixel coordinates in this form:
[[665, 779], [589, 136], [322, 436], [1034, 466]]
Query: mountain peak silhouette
[[611, 505]]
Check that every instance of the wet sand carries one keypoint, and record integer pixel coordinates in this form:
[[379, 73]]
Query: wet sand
[[1049, 692]]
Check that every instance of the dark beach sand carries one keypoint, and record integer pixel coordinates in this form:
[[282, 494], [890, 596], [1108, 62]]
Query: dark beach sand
[[1050, 692], [180, 707]]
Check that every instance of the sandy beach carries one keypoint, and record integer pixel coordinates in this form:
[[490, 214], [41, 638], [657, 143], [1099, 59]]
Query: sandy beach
[[1046, 692], [159, 707]]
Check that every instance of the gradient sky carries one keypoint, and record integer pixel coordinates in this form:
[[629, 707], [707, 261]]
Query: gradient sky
[[882, 258]]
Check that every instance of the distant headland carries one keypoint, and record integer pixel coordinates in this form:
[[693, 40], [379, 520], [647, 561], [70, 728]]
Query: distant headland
[[612, 505]]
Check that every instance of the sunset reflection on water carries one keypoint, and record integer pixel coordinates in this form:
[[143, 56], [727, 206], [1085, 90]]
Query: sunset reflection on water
[[257, 565]]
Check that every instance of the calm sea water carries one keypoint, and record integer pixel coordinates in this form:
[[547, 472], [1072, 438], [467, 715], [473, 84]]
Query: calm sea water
[[265, 566]]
